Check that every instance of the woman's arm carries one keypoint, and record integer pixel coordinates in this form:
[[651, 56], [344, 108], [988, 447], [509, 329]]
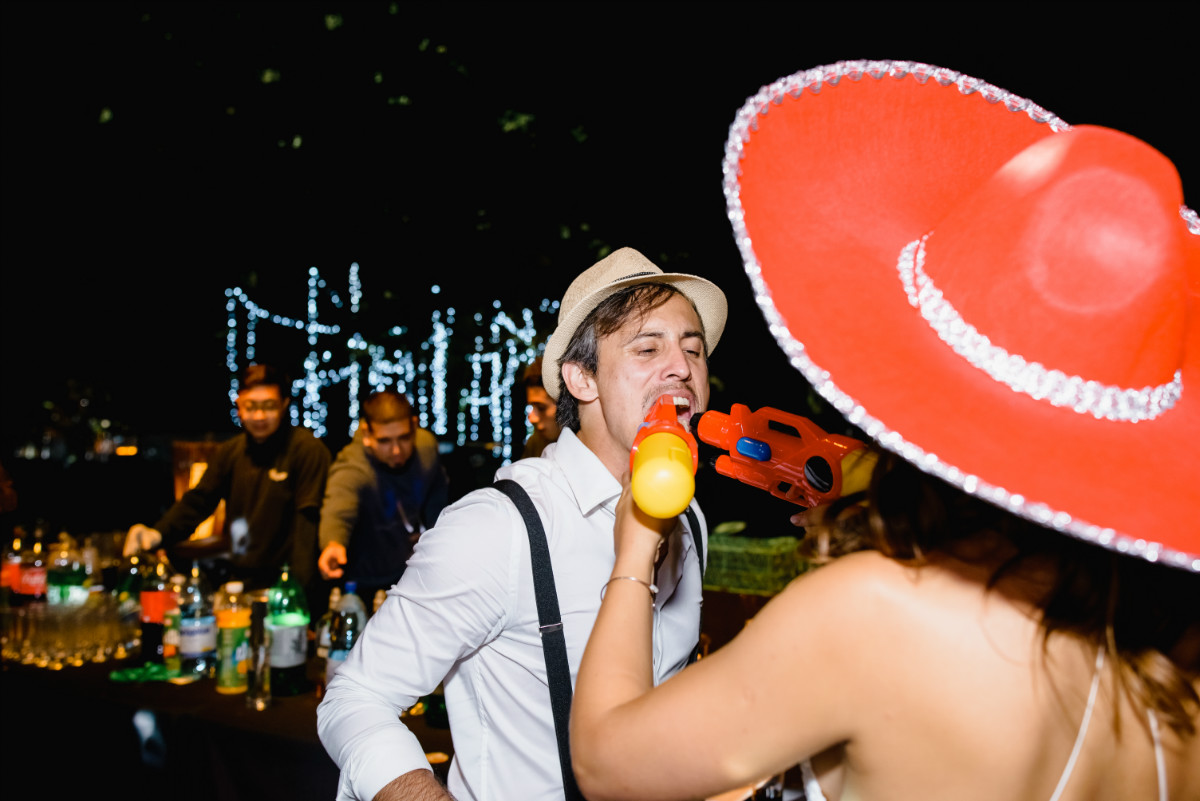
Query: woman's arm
[[780, 692]]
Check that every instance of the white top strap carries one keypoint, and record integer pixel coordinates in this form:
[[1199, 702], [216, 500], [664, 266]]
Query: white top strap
[[1083, 727]]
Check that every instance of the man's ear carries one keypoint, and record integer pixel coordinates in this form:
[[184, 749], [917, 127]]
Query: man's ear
[[579, 382]]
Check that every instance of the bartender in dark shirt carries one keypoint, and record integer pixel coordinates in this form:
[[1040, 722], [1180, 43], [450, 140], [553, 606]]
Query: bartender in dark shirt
[[272, 479]]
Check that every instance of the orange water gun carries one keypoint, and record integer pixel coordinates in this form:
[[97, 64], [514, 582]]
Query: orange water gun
[[662, 462], [775, 451]]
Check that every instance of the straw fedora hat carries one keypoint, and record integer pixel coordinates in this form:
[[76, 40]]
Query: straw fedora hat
[[620, 269], [1006, 301]]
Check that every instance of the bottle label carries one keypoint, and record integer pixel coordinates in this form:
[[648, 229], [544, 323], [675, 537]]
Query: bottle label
[[10, 573], [32, 581], [172, 623], [289, 645], [155, 604], [233, 657], [198, 636], [66, 594]]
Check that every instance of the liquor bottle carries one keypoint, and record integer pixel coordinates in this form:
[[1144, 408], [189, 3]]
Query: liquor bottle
[[233, 629], [89, 555], [173, 629], [287, 623], [129, 610], [258, 676], [380, 597], [325, 624], [155, 599], [197, 627]]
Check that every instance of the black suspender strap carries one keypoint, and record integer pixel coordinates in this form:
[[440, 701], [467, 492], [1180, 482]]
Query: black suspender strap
[[698, 542], [554, 643]]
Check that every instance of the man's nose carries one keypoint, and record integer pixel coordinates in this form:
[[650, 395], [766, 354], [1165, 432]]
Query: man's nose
[[677, 364]]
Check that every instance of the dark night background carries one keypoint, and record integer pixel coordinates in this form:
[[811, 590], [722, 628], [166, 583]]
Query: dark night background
[[156, 154]]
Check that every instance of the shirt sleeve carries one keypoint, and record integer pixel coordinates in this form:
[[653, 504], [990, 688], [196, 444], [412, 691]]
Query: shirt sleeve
[[339, 510], [195, 505], [454, 597]]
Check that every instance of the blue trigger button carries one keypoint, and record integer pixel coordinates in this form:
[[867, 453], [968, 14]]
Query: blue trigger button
[[754, 449]]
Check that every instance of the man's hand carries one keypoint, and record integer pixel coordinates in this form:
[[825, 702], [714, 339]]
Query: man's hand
[[637, 536], [416, 785], [141, 538], [331, 560]]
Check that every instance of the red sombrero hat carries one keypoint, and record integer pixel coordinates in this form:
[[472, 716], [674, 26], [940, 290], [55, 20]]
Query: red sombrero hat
[[1010, 303]]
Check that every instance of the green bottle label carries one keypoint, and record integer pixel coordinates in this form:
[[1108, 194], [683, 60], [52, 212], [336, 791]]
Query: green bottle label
[[233, 658]]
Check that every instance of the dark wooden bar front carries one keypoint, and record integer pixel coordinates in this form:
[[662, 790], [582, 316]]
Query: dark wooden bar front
[[74, 733]]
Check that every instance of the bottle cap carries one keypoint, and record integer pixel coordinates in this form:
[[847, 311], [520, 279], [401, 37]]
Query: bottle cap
[[234, 587]]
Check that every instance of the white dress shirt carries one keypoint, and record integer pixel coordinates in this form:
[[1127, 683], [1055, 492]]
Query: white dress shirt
[[464, 614]]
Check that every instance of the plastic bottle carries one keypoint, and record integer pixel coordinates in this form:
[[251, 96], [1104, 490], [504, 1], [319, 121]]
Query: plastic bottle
[[233, 630], [66, 574], [197, 628], [31, 581], [10, 569], [348, 623], [155, 598], [287, 622]]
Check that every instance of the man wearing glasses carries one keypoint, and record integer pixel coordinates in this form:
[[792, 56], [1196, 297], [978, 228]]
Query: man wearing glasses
[[272, 479]]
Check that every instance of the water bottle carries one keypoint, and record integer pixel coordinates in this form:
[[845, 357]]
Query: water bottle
[[348, 623], [233, 632], [287, 622], [197, 628]]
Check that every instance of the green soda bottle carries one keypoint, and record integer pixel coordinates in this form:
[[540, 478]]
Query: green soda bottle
[[287, 622]]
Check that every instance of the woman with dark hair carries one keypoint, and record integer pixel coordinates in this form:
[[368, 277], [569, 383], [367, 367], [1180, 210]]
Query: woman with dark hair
[[1012, 609]]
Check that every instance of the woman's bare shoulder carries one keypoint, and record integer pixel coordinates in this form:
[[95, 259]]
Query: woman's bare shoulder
[[869, 591]]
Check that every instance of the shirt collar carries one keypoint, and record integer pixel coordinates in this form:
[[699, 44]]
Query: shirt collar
[[591, 483]]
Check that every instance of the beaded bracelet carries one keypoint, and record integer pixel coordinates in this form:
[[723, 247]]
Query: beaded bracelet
[[653, 588]]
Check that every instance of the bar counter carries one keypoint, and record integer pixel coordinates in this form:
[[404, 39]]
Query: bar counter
[[75, 731]]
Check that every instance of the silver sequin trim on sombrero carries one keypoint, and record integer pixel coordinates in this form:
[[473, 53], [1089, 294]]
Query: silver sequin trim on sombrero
[[1102, 401], [812, 81]]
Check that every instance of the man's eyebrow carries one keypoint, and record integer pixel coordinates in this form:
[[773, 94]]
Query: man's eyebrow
[[655, 334]]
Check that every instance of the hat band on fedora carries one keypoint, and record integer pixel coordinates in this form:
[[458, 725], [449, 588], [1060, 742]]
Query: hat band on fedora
[[1102, 401]]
